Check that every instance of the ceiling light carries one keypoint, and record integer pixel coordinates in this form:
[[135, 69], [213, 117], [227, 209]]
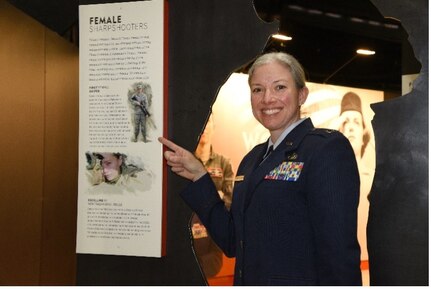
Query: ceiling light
[[365, 52], [374, 23], [359, 51], [333, 15], [296, 7], [391, 26], [357, 20], [282, 37], [315, 11]]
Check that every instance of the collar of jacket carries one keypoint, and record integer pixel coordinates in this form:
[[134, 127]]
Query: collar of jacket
[[289, 144]]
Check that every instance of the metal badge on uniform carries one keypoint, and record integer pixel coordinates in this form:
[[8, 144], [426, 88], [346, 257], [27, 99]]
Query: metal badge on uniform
[[239, 178], [292, 156], [286, 171]]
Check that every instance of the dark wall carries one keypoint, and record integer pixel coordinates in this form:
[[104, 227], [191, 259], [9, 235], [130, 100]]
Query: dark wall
[[208, 39], [398, 220]]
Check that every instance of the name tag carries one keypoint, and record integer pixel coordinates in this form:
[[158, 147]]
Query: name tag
[[286, 171], [239, 178]]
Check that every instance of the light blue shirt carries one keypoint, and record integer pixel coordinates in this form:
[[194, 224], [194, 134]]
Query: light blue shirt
[[284, 134]]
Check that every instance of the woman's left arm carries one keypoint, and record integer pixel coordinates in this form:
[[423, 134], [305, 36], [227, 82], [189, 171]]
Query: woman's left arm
[[333, 197]]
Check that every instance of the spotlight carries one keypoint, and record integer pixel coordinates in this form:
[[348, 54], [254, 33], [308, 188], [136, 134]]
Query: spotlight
[[281, 37], [360, 51]]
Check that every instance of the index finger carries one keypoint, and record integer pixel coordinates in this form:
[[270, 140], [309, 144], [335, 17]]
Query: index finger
[[171, 145]]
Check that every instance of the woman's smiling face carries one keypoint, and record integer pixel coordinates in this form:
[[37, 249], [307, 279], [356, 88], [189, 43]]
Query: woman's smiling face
[[275, 98]]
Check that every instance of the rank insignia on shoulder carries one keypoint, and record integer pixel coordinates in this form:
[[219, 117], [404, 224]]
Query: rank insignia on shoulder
[[325, 132], [239, 178], [286, 171]]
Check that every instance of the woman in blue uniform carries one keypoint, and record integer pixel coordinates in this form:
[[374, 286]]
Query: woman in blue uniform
[[293, 218]]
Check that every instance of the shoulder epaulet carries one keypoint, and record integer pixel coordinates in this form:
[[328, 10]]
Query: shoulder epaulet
[[323, 131]]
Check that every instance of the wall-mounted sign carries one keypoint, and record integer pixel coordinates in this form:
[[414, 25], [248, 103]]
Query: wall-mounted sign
[[121, 114]]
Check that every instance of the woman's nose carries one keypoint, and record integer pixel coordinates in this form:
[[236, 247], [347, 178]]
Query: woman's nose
[[267, 96]]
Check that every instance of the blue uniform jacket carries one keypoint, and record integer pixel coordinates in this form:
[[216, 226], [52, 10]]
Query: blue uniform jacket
[[293, 219]]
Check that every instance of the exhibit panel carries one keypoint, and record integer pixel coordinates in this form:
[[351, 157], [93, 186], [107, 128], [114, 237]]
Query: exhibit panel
[[122, 100]]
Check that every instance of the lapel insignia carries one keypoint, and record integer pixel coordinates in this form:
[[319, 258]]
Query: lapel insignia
[[286, 171], [239, 178]]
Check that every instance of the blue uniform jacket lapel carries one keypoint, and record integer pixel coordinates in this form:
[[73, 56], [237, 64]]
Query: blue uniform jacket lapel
[[283, 152]]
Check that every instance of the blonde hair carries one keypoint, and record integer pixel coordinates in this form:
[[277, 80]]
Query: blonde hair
[[286, 60]]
